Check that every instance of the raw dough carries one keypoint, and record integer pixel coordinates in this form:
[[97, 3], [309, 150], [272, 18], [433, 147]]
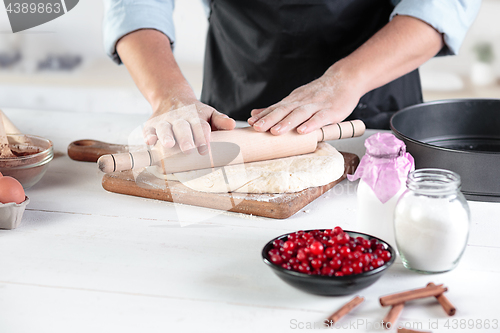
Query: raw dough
[[284, 175]]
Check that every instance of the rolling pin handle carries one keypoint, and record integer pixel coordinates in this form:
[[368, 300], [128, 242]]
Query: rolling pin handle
[[346, 129], [125, 161]]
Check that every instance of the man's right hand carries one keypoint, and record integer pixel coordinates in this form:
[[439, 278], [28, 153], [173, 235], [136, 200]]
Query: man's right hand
[[189, 126]]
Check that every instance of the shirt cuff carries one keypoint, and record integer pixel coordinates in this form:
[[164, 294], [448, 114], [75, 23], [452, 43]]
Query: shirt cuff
[[121, 19], [451, 18]]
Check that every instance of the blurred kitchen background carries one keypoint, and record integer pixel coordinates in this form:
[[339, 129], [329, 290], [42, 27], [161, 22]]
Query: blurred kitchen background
[[61, 65]]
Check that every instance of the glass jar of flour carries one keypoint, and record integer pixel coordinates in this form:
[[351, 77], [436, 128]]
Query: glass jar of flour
[[431, 221]]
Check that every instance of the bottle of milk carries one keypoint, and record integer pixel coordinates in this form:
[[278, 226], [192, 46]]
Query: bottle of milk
[[383, 171]]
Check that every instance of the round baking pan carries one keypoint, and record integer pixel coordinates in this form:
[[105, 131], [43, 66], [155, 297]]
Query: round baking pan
[[462, 135]]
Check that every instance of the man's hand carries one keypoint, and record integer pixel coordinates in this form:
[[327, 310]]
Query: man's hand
[[401, 46], [329, 99], [188, 126]]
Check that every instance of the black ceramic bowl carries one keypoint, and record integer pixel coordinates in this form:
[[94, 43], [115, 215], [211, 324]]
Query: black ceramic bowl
[[329, 285]]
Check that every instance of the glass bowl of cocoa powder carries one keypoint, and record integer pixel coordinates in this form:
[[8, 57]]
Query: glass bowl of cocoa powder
[[32, 157]]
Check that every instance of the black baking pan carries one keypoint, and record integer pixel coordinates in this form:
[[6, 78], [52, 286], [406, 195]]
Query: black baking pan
[[462, 135]]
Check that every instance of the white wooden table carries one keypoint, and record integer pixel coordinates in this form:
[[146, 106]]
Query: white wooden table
[[85, 260]]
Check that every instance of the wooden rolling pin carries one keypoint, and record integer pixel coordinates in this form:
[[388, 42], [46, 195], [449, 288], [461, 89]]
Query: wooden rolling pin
[[226, 145]]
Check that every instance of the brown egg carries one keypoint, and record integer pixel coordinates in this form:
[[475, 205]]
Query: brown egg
[[11, 190]]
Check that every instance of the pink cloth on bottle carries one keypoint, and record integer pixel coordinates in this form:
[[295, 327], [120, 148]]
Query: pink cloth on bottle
[[385, 165]]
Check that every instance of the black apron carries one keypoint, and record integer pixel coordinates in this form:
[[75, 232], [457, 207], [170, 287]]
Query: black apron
[[258, 51]]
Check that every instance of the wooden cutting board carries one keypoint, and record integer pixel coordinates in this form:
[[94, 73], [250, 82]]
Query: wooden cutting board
[[278, 206]]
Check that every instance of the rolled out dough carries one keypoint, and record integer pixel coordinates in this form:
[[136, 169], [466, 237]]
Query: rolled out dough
[[284, 175]]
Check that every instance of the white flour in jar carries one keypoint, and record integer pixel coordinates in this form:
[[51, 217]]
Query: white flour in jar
[[431, 232]]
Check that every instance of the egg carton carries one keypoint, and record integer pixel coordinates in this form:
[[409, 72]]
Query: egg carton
[[11, 214]]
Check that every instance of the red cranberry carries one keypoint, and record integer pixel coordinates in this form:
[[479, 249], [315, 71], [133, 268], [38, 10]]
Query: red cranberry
[[289, 245], [277, 243], [273, 251], [365, 259], [368, 268], [322, 257], [335, 263], [329, 271], [357, 254], [307, 236], [344, 251], [347, 270], [343, 238], [286, 266], [359, 248], [377, 253], [385, 256], [276, 259], [357, 267], [314, 233], [377, 262], [339, 274], [301, 255], [330, 252], [316, 248], [286, 256], [330, 242], [300, 243], [304, 268], [316, 263], [337, 230]]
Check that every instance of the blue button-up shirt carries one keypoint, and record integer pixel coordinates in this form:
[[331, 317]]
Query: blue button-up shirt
[[452, 18]]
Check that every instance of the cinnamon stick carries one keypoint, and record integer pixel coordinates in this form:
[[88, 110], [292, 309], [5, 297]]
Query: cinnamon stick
[[445, 303], [344, 310], [393, 315], [406, 330], [411, 295]]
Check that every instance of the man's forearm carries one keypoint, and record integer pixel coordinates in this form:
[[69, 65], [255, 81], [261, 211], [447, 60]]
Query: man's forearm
[[401, 46], [149, 59]]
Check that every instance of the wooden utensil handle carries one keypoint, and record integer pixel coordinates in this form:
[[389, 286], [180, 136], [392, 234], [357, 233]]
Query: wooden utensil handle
[[9, 127], [90, 150], [343, 130]]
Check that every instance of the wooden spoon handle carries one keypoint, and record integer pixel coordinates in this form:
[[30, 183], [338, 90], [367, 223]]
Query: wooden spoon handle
[[9, 127], [90, 150], [5, 151]]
